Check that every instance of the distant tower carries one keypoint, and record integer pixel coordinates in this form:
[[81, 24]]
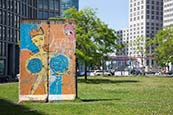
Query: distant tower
[[168, 13], [145, 19]]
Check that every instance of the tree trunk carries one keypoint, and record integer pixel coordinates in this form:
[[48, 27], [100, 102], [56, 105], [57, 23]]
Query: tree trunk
[[103, 68], [85, 71]]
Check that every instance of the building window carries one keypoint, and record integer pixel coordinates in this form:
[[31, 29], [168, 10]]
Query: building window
[[51, 4], [40, 3], [40, 14], [2, 66], [57, 6], [45, 15], [0, 32], [45, 4]]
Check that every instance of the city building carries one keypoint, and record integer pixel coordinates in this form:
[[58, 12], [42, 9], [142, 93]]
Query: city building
[[48, 8], [167, 13], [69, 3], [11, 13], [168, 20], [123, 37], [145, 19]]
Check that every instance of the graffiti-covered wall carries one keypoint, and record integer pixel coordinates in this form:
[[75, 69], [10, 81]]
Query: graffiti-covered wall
[[47, 60]]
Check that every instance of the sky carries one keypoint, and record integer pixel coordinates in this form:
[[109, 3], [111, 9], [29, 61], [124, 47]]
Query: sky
[[112, 12]]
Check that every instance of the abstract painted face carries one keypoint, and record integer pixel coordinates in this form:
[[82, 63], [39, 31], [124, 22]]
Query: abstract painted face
[[38, 41], [69, 30], [37, 37]]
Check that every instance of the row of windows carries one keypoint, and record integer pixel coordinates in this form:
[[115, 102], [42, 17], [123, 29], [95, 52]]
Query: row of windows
[[27, 11], [152, 28], [9, 34], [136, 18], [136, 32], [154, 7], [137, 13], [168, 20], [155, 2], [136, 8], [19, 8], [135, 1], [48, 4], [154, 12], [168, 15], [148, 12], [155, 17], [2, 49], [167, 0], [168, 10], [9, 19], [140, 25], [148, 17], [148, 7], [9, 5], [46, 15], [168, 5], [138, 3]]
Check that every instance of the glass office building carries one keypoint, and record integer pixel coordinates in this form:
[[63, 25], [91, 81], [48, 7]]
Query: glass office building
[[65, 4], [11, 12], [48, 8]]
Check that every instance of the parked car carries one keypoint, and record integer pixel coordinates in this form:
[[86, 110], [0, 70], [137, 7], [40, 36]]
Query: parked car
[[107, 73], [169, 73], [101, 72], [137, 71], [90, 73], [98, 72]]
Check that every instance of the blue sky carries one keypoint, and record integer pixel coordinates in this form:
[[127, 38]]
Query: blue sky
[[112, 12]]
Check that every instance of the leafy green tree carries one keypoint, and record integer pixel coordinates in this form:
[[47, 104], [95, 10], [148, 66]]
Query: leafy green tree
[[163, 43], [94, 38], [140, 48]]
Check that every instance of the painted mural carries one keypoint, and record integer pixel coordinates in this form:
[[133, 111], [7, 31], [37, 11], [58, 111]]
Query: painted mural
[[47, 61]]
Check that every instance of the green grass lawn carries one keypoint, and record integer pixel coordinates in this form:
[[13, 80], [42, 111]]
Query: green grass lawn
[[100, 96]]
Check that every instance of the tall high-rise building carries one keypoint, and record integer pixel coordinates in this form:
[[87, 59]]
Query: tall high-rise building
[[145, 19], [11, 12], [168, 13]]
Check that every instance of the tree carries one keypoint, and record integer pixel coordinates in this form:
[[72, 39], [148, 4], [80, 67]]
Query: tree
[[163, 43], [140, 48], [94, 38]]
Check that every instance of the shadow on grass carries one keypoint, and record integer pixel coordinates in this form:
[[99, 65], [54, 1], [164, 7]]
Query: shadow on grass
[[98, 81], [9, 108], [95, 100]]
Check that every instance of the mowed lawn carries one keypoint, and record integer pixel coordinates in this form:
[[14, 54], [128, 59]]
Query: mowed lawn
[[100, 96]]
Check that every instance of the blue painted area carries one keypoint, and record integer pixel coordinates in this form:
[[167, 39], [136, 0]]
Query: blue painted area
[[59, 63], [25, 38], [56, 86], [34, 65]]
